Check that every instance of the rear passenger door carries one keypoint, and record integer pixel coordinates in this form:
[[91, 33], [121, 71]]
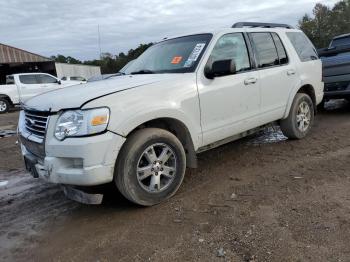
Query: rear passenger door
[[277, 76]]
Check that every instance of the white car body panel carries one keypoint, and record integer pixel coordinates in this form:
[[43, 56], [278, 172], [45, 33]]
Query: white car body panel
[[10, 91], [161, 100]]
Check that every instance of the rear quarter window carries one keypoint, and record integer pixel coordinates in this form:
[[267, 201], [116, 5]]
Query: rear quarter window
[[10, 80], [303, 46]]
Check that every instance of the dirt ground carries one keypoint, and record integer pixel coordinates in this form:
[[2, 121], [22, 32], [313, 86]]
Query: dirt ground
[[262, 198]]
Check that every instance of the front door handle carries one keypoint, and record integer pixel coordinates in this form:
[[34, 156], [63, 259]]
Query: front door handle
[[291, 72], [250, 81]]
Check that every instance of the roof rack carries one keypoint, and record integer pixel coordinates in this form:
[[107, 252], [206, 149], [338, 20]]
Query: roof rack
[[264, 25]]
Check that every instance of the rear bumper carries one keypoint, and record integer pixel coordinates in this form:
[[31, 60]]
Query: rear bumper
[[87, 161]]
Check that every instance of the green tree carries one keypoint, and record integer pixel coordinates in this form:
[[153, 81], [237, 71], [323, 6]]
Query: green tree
[[325, 23]]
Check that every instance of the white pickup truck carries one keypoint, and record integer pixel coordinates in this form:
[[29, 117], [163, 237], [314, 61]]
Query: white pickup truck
[[21, 87]]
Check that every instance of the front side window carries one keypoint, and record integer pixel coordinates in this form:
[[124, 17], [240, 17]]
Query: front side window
[[303, 46], [232, 47], [265, 49], [28, 79], [45, 79], [179, 55]]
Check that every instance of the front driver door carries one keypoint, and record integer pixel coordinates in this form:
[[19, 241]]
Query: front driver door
[[28, 86], [230, 103], [49, 83]]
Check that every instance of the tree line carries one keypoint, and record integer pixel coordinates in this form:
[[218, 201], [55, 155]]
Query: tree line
[[108, 62], [326, 22]]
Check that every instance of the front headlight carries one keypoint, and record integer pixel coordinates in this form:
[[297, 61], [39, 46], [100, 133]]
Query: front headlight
[[81, 123]]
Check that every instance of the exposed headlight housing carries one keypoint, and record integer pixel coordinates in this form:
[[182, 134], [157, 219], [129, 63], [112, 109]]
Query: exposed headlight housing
[[77, 123]]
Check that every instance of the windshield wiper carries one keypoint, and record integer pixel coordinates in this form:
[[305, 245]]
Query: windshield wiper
[[144, 71], [113, 75]]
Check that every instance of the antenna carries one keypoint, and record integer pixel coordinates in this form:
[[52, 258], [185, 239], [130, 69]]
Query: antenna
[[99, 41]]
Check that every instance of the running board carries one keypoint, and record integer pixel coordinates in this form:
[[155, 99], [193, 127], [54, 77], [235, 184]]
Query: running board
[[232, 138]]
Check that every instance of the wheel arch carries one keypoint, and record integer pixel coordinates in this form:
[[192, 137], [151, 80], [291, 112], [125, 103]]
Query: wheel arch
[[306, 89], [7, 98], [177, 128]]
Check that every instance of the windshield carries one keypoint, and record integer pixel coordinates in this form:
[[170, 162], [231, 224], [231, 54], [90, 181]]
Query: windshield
[[179, 55], [126, 67], [341, 41]]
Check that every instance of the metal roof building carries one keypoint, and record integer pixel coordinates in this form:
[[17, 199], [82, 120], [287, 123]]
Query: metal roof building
[[9, 54], [14, 60]]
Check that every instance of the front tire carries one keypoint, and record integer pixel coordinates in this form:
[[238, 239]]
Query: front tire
[[4, 106], [150, 167], [300, 119]]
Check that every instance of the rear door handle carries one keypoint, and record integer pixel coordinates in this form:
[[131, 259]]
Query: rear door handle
[[250, 81], [291, 72]]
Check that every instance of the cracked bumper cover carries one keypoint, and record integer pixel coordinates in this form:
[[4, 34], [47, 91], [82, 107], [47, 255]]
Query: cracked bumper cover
[[85, 161]]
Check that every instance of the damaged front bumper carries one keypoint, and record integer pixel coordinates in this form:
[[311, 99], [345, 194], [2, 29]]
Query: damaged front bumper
[[86, 161]]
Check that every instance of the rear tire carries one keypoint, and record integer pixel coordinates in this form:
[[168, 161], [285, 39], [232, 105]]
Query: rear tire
[[150, 167], [300, 119], [4, 105]]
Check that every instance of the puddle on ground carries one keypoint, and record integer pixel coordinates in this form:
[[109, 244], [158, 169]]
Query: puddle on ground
[[268, 135], [3, 183], [7, 133]]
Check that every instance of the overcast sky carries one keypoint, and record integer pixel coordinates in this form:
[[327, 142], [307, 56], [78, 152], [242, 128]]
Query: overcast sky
[[69, 27]]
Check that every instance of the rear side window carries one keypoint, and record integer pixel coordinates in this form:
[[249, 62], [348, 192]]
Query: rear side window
[[303, 46], [28, 79], [265, 49], [281, 51], [10, 80]]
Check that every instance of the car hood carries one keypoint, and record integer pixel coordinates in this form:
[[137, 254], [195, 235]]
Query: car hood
[[78, 95]]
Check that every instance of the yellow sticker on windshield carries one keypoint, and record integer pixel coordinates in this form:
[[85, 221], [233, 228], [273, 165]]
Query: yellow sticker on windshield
[[176, 60]]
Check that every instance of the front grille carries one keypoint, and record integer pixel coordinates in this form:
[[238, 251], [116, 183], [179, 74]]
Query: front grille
[[337, 86], [35, 122]]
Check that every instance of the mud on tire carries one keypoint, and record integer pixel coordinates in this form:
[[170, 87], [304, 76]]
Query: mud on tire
[[141, 175], [300, 119]]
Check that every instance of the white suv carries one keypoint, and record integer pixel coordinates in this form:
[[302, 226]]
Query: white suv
[[182, 96]]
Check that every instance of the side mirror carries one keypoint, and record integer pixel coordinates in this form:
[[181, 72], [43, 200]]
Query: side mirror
[[59, 82], [220, 68]]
